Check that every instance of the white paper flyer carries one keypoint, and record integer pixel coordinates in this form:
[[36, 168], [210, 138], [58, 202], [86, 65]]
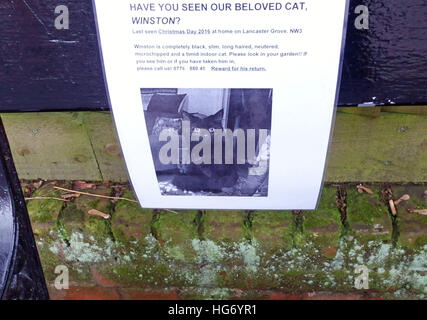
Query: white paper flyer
[[223, 104]]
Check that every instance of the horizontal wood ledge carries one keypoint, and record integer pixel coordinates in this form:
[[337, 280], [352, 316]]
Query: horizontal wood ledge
[[379, 144]]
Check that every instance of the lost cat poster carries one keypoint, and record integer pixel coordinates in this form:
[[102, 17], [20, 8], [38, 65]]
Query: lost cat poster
[[223, 104]]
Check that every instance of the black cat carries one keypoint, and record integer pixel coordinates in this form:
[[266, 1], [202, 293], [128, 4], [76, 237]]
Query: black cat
[[208, 177]]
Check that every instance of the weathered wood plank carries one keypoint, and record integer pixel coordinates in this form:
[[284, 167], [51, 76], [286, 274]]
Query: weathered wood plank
[[48, 69], [406, 109], [51, 146], [376, 111], [105, 145], [390, 147], [368, 111]]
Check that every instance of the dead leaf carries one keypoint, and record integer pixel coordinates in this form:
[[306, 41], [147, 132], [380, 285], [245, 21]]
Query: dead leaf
[[392, 208], [37, 184], [419, 211], [95, 212], [80, 185], [70, 195], [405, 197], [362, 188]]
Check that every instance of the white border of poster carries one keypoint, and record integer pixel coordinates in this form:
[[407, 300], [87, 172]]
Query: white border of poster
[[204, 54]]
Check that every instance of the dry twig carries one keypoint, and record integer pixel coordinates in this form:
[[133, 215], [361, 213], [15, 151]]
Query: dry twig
[[95, 195], [45, 198], [104, 197]]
